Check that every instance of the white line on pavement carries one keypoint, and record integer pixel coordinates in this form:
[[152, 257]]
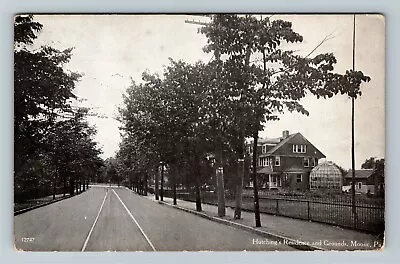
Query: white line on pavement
[[133, 218], [95, 221]]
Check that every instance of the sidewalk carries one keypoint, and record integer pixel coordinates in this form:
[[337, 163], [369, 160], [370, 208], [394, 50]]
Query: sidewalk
[[317, 235]]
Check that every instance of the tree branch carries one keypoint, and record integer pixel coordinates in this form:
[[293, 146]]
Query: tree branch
[[326, 38]]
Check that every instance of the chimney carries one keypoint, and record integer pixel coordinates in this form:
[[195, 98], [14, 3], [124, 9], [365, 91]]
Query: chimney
[[285, 134]]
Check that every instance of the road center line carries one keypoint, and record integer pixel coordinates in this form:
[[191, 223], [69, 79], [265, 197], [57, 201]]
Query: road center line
[[94, 223], [133, 218]]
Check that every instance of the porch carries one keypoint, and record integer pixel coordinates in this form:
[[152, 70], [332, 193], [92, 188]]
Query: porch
[[269, 179]]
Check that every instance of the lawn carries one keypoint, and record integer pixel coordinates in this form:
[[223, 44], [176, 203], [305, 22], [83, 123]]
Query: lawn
[[370, 213]]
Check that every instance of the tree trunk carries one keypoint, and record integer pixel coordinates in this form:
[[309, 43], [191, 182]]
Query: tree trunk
[[83, 184], [239, 185], [71, 187], [198, 192], [162, 183], [156, 184], [254, 177], [219, 174], [174, 183], [54, 185], [239, 190], [65, 185], [198, 196], [146, 183]]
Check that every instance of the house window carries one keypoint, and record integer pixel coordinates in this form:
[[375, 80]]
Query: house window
[[264, 149], [299, 148], [312, 162], [277, 161], [306, 162], [316, 161], [263, 162], [299, 177]]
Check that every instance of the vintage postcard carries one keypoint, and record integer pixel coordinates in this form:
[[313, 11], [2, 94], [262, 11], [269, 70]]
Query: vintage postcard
[[199, 132]]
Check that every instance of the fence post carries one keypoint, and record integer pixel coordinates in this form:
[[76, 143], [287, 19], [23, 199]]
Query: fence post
[[277, 206], [308, 210]]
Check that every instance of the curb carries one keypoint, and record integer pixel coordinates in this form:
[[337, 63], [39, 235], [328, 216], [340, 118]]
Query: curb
[[284, 240], [43, 204]]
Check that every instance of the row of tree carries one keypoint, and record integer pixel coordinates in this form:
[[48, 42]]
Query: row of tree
[[54, 147], [196, 113]]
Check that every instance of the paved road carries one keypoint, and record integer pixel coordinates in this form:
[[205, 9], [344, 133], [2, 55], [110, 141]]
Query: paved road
[[115, 219]]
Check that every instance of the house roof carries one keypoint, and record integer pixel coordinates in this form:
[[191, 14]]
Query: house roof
[[360, 174], [377, 176], [296, 168], [280, 144], [269, 140], [266, 170], [288, 138]]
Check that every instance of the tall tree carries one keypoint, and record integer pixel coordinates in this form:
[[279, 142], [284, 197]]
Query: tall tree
[[169, 114], [42, 89], [52, 139], [276, 78]]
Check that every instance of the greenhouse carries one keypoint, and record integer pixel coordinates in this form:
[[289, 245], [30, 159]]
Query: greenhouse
[[326, 176]]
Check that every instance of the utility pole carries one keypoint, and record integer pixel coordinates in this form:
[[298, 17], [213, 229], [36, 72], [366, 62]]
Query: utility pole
[[219, 173], [241, 168], [353, 189]]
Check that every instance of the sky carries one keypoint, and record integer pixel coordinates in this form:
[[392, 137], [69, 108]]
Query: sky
[[111, 49]]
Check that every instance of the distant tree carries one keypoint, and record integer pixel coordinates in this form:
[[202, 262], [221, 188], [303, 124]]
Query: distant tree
[[369, 163], [167, 116], [342, 170], [73, 151]]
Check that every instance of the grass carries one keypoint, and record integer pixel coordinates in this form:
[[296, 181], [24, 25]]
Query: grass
[[370, 216], [35, 202]]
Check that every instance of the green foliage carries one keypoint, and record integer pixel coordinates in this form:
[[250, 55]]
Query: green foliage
[[25, 29], [372, 163], [42, 89], [276, 79], [193, 110], [52, 139], [165, 119]]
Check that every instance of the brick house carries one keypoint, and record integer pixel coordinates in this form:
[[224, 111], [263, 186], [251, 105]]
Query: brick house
[[285, 162]]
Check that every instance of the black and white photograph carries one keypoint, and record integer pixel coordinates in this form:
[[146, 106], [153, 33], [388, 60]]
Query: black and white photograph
[[199, 132]]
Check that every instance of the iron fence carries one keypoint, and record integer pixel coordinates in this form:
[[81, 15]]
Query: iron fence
[[369, 213]]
